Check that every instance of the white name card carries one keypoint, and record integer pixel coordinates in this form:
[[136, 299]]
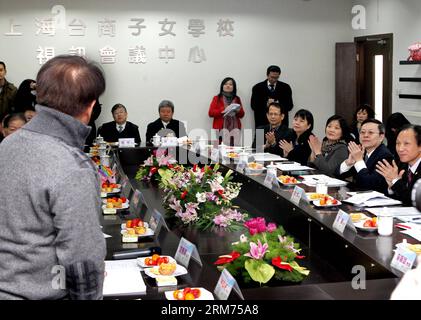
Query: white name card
[[126, 143], [225, 285], [185, 251], [297, 194], [341, 221], [404, 259]]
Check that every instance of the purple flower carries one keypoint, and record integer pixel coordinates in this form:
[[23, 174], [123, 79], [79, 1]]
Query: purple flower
[[257, 251], [271, 227]]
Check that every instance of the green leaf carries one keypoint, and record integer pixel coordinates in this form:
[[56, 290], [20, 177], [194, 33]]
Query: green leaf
[[259, 270], [297, 267]]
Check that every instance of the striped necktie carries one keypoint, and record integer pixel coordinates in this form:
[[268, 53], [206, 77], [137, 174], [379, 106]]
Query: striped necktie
[[410, 177], [120, 128]]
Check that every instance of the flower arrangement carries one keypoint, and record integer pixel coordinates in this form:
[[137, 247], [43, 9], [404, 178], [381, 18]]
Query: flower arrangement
[[155, 165], [266, 254], [202, 196], [415, 52]]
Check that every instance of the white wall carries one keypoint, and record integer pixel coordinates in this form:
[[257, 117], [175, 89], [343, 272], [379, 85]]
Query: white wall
[[297, 35], [403, 19]]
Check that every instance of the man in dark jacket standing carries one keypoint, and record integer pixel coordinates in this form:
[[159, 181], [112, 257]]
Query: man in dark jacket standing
[[52, 246], [268, 91], [7, 93], [165, 125]]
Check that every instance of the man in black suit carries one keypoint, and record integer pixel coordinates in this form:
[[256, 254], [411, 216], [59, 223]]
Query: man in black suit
[[401, 180], [362, 160], [273, 132], [119, 128], [270, 90], [165, 125]]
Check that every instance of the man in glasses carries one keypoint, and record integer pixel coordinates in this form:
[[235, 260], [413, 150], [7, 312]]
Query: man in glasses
[[362, 159]]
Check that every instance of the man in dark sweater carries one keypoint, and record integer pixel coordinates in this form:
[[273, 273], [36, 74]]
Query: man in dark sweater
[[52, 246], [268, 91], [165, 125], [119, 128]]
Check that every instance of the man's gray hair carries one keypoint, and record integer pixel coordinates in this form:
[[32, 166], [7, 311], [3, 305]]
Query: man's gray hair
[[166, 103]]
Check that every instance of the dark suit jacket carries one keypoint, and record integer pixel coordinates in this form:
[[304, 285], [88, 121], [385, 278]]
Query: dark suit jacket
[[281, 133], [402, 191], [368, 178], [302, 150], [259, 98], [174, 126], [110, 134]]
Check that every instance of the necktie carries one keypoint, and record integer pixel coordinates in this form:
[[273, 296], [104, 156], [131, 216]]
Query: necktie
[[120, 128], [272, 87], [410, 177], [365, 157]]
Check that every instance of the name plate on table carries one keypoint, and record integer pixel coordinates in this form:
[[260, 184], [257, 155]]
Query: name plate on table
[[270, 179], [135, 200], [403, 260], [341, 220], [225, 285], [215, 155], [297, 194], [126, 143], [185, 251]]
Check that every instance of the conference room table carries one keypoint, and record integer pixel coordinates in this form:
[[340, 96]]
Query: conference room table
[[332, 257]]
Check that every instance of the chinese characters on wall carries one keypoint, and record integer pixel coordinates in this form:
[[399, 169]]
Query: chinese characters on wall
[[136, 53]]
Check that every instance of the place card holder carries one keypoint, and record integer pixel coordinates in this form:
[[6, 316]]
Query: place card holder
[[126, 187], [215, 155], [342, 221], [297, 194], [186, 251], [136, 201], [225, 285], [403, 259], [126, 143], [156, 222]]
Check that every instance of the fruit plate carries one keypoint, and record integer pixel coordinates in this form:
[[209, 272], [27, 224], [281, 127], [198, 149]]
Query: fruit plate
[[154, 271], [317, 204], [360, 225], [313, 196], [288, 184], [204, 294], [149, 232], [106, 194], [141, 261], [123, 206]]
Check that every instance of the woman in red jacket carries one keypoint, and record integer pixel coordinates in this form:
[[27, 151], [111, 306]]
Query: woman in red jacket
[[226, 110]]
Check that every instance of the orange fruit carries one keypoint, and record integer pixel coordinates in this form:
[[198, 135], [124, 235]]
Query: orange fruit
[[189, 296]]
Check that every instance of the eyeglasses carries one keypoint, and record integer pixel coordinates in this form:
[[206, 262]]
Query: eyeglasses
[[274, 114], [369, 133]]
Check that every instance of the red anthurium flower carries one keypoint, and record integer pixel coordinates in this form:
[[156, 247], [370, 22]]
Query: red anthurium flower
[[300, 257], [153, 170], [195, 167], [170, 166], [184, 194], [277, 262], [227, 258]]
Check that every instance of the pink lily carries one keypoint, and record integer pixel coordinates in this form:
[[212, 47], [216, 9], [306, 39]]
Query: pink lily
[[257, 251]]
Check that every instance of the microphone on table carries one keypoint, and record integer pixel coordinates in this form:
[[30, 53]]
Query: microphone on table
[[131, 254]]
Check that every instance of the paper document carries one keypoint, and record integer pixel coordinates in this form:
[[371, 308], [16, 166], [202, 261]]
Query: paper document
[[123, 277], [295, 166], [232, 108], [397, 212], [371, 199], [312, 179], [267, 157]]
